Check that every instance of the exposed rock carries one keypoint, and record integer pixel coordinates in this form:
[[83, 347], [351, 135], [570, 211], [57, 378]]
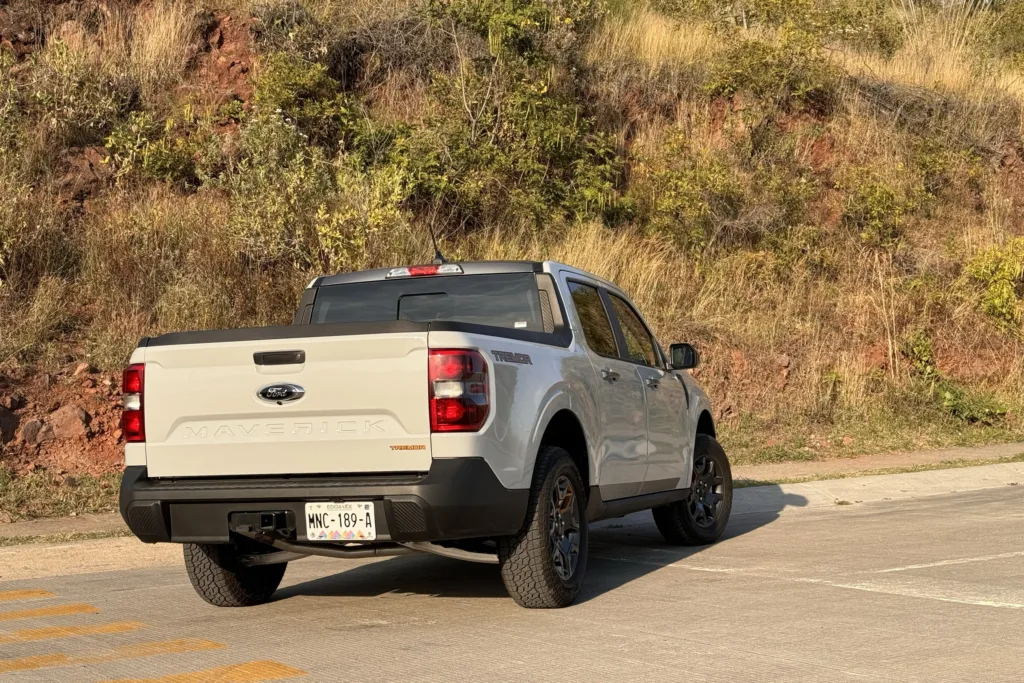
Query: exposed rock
[[83, 368], [13, 402], [69, 422], [8, 425], [35, 432], [84, 171]]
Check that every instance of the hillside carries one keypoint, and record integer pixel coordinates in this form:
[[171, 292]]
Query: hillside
[[825, 196]]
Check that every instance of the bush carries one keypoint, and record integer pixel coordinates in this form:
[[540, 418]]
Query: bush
[[304, 92], [793, 69], [685, 193], [877, 209], [971, 406], [1000, 273], [183, 150], [76, 98]]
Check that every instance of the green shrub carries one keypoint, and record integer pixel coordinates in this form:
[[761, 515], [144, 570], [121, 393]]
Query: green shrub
[[74, 96], [304, 92], [793, 69], [917, 349], [1000, 273], [181, 150], [971, 406], [684, 193], [877, 209]]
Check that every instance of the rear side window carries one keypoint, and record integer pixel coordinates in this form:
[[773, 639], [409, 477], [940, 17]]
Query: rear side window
[[638, 341], [501, 300], [596, 328]]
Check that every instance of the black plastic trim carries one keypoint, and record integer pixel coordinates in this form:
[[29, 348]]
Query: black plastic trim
[[598, 508], [279, 357], [561, 337], [458, 498]]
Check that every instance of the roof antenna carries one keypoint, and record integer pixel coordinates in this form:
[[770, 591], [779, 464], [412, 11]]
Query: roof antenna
[[438, 256]]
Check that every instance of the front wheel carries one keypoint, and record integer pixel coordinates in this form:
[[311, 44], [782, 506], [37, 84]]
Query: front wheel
[[220, 579], [701, 517], [543, 565]]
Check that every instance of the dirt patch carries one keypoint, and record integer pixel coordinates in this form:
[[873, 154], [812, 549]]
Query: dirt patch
[[221, 74], [84, 172], [67, 424]]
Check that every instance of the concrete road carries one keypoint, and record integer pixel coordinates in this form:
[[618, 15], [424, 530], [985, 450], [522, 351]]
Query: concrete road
[[926, 589]]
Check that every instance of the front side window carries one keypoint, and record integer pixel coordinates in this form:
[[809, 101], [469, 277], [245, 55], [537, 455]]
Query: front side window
[[639, 344], [597, 329]]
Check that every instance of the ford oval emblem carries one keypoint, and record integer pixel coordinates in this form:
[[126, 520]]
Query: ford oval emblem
[[281, 393]]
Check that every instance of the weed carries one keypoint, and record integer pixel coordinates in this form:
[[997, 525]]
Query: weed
[[999, 271], [877, 209]]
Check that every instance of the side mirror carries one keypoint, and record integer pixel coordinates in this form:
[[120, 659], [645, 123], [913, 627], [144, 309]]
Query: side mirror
[[683, 356]]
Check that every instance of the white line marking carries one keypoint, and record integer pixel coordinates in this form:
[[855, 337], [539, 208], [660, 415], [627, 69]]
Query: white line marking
[[943, 563]]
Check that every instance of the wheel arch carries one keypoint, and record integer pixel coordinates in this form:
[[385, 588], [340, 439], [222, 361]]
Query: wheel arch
[[565, 431], [706, 425]]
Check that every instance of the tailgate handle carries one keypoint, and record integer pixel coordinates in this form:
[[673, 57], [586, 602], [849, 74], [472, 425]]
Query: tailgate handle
[[279, 357]]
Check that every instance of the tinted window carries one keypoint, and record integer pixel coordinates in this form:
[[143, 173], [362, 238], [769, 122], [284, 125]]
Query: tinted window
[[638, 342], [505, 300], [596, 328]]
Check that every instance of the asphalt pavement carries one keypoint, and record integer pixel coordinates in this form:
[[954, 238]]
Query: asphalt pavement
[[806, 586]]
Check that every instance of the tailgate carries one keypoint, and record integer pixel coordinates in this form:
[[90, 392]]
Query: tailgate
[[364, 406]]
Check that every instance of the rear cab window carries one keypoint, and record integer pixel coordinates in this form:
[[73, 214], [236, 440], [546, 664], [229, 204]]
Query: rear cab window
[[506, 300], [597, 329]]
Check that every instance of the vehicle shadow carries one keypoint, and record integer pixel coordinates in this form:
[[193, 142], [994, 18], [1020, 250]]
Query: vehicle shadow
[[621, 550]]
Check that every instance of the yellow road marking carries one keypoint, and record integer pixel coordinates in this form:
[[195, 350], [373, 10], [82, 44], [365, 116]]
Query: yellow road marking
[[250, 672], [124, 652], [51, 632], [55, 611], [25, 594]]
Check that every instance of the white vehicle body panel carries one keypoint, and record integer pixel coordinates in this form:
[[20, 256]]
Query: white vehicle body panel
[[365, 407]]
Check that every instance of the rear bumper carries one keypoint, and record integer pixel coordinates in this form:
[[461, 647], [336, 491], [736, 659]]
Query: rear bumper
[[458, 498]]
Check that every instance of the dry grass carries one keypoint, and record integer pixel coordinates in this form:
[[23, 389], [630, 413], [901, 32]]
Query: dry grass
[[653, 40], [162, 43]]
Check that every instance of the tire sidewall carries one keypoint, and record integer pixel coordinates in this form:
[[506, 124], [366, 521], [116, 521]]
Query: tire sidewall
[[564, 466], [710, 448]]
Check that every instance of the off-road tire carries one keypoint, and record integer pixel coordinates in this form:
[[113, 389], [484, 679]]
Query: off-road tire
[[221, 580], [676, 522], [527, 566]]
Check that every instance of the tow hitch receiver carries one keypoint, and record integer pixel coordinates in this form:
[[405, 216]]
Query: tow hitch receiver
[[279, 522]]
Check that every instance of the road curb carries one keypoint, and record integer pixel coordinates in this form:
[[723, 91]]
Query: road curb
[[881, 487]]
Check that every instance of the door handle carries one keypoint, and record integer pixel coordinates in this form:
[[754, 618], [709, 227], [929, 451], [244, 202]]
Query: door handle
[[652, 382], [609, 374]]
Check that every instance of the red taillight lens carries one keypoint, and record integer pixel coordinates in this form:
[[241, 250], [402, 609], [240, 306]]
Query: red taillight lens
[[459, 400], [422, 270], [133, 420], [131, 382]]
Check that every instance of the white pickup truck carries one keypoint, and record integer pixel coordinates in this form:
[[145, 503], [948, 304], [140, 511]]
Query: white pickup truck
[[486, 411]]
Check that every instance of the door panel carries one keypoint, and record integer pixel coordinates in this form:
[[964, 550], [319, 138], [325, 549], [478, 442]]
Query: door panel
[[621, 444], [668, 452], [667, 449]]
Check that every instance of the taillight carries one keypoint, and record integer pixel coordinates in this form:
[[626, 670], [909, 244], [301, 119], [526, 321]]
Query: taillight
[[458, 390], [133, 422]]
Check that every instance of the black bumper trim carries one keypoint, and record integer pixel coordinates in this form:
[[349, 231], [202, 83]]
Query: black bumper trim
[[458, 498]]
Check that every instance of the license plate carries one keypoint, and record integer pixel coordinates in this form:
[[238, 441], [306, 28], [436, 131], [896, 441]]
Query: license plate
[[340, 522]]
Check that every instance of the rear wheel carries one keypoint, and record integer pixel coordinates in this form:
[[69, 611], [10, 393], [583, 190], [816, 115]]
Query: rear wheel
[[543, 565], [701, 518], [220, 579]]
